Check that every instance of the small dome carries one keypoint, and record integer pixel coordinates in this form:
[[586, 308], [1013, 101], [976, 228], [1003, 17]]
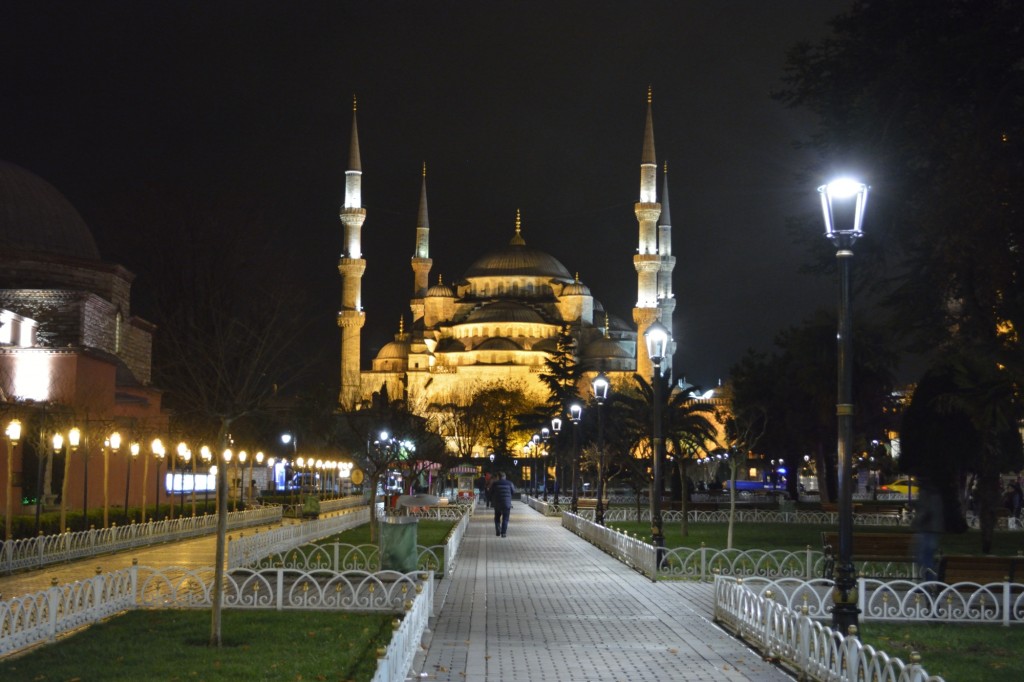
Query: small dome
[[35, 217], [440, 290], [576, 288], [504, 311], [396, 350]]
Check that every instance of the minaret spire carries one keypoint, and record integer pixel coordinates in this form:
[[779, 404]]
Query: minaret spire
[[351, 265], [666, 298], [421, 262], [647, 260]]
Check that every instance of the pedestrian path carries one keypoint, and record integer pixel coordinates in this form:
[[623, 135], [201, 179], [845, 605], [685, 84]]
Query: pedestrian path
[[544, 604]]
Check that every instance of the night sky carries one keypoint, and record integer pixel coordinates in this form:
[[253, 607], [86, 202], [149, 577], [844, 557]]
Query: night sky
[[537, 106]]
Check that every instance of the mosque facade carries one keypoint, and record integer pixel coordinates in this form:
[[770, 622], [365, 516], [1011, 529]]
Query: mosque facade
[[499, 322]]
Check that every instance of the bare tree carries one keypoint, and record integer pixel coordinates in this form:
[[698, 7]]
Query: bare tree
[[228, 336]]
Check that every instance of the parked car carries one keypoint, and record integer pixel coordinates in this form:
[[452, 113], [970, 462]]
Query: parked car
[[901, 486]]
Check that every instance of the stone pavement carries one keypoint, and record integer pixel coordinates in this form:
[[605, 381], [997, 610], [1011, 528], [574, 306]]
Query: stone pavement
[[193, 553], [544, 604]]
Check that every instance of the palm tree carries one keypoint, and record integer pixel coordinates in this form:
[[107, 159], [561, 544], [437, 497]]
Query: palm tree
[[687, 426]]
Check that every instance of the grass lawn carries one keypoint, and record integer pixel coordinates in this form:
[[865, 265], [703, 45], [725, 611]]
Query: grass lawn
[[957, 652], [429, 532], [796, 537], [172, 645]]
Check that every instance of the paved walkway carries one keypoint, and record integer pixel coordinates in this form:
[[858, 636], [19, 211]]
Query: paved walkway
[[194, 553], [544, 604]]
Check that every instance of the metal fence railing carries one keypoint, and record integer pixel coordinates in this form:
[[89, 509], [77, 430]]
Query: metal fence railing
[[28, 553], [814, 650], [42, 617]]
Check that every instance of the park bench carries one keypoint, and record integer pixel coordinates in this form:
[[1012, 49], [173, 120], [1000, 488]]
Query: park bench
[[869, 549], [965, 568], [589, 503]]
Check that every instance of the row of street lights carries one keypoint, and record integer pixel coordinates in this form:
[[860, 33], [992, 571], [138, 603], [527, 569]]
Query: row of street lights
[[74, 439]]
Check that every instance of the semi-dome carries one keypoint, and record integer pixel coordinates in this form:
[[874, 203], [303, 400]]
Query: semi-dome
[[504, 311], [35, 217], [605, 347]]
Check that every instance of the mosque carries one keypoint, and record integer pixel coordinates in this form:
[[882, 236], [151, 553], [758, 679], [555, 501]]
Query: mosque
[[499, 323]]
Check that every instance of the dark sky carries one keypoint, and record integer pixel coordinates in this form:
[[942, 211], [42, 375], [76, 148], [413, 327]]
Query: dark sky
[[531, 105]]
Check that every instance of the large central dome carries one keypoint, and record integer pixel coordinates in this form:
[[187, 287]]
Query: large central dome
[[515, 260]]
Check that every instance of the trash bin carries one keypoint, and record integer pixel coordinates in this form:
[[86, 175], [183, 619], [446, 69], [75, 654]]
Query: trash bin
[[398, 550]]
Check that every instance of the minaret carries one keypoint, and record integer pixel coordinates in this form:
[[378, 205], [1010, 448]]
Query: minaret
[[351, 265], [647, 261], [666, 299], [421, 261]]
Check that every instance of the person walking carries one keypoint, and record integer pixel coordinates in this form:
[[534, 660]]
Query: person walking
[[501, 498]]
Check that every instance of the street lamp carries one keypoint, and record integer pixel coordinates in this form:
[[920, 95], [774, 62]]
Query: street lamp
[[240, 470], [556, 428], [13, 433], [207, 456], [112, 442], [849, 197], [157, 446], [600, 386], [545, 433], [657, 337], [575, 414], [134, 448]]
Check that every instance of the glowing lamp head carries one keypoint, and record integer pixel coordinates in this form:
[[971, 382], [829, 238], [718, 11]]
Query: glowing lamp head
[[259, 457], [74, 437], [556, 424], [115, 441], [14, 431], [842, 204], [657, 338], [58, 442], [600, 384], [228, 455], [157, 446], [575, 412], [135, 448], [242, 455]]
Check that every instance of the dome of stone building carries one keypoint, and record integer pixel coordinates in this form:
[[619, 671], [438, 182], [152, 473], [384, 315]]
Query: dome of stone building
[[518, 260], [504, 311], [35, 217]]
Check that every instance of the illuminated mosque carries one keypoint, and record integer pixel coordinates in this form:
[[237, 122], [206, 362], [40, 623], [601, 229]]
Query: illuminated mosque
[[498, 324]]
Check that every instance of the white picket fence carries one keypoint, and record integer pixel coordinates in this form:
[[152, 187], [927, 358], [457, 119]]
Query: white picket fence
[[41, 617], [814, 650], [26, 553], [248, 550]]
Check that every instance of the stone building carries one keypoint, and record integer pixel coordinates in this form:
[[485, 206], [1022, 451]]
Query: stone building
[[71, 352]]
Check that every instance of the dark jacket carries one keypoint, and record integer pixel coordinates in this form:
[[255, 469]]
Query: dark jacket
[[501, 493]]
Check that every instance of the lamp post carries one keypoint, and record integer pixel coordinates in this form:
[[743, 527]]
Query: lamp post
[[657, 337], [74, 440], [158, 454], [545, 433], [227, 457], [112, 442], [206, 455], [850, 197], [13, 432], [258, 459], [133, 449], [600, 385], [240, 468], [556, 428], [575, 414]]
